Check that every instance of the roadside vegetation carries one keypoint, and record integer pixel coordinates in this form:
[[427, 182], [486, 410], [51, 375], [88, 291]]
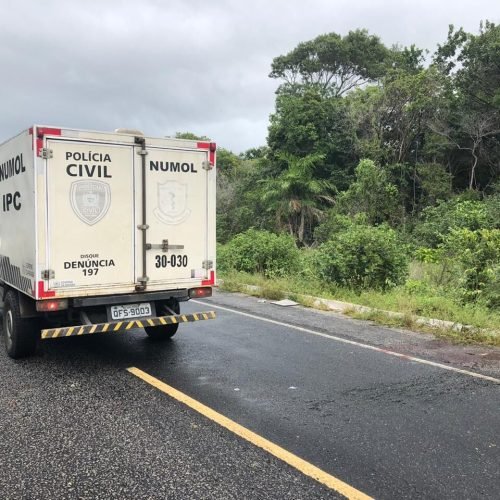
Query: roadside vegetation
[[379, 183]]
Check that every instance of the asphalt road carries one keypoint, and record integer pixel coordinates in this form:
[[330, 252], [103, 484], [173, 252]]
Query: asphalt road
[[75, 424]]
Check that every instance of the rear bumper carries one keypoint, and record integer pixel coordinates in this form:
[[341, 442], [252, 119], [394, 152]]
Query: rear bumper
[[122, 326], [130, 298]]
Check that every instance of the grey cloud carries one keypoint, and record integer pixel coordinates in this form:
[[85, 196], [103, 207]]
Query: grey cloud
[[181, 65]]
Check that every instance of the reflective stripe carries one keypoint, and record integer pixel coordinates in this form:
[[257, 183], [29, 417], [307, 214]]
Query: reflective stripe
[[122, 326]]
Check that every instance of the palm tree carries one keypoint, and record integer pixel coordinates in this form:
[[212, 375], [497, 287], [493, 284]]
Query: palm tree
[[297, 197]]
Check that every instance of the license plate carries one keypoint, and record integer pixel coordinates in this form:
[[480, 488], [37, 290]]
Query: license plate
[[130, 311]]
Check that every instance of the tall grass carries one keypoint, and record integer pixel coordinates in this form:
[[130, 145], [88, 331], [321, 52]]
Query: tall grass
[[418, 297]]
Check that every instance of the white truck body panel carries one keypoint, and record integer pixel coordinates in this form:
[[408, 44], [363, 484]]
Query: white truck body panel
[[71, 213], [18, 255]]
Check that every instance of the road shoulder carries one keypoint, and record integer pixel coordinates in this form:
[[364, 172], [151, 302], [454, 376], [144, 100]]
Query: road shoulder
[[481, 359]]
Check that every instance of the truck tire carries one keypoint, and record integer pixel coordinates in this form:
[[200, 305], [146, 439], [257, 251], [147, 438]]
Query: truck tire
[[20, 334], [164, 332]]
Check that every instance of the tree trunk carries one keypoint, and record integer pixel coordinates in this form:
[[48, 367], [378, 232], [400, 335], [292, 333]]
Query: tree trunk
[[301, 227], [473, 171]]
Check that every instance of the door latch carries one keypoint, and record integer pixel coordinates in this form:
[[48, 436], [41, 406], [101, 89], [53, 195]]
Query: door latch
[[164, 246]]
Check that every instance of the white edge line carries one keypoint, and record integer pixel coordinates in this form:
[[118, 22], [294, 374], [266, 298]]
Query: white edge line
[[359, 344]]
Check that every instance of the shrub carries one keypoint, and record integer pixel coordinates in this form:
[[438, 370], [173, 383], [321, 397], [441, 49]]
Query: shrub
[[308, 269], [260, 252], [417, 287], [364, 257], [337, 223], [371, 194], [477, 253], [458, 213]]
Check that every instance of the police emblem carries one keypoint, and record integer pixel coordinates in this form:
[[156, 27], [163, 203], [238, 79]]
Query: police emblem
[[172, 202], [90, 200]]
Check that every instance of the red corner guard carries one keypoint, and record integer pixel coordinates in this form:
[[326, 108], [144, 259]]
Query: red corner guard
[[210, 281], [212, 147], [42, 294], [40, 133]]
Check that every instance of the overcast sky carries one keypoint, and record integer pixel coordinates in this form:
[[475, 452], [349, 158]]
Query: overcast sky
[[172, 65]]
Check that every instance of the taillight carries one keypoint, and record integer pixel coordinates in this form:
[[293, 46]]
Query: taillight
[[51, 305], [198, 293]]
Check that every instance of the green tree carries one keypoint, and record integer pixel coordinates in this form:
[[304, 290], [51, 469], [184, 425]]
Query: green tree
[[364, 107], [474, 62], [472, 122], [371, 193], [255, 153], [190, 136], [297, 196], [308, 123], [331, 63], [407, 59], [435, 183], [393, 125], [408, 105], [227, 162], [239, 200]]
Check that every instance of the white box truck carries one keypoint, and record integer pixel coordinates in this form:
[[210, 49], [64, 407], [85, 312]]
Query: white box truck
[[103, 232]]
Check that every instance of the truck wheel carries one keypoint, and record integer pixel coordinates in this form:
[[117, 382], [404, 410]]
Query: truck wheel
[[164, 332], [20, 334]]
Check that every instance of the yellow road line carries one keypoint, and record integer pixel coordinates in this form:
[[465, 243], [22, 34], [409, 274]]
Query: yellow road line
[[298, 463]]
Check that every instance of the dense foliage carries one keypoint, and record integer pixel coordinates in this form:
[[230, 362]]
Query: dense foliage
[[375, 156], [363, 257], [260, 252]]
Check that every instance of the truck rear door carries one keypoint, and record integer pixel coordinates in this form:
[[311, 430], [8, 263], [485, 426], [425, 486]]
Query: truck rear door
[[176, 216], [90, 216]]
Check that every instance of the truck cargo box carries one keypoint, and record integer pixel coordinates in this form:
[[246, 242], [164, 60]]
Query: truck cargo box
[[89, 215]]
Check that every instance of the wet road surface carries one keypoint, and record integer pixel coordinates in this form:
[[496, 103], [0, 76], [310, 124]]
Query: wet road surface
[[75, 423]]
